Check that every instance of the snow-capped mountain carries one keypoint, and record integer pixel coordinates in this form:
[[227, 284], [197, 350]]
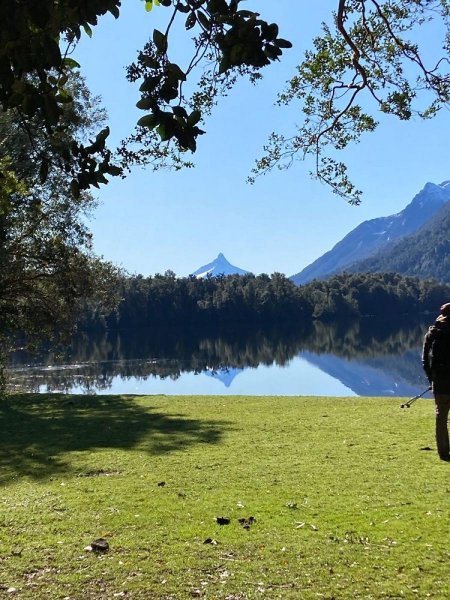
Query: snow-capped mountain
[[371, 236], [219, 266], [424, 254]]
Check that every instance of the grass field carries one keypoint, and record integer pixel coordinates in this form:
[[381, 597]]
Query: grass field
[[346, 500]]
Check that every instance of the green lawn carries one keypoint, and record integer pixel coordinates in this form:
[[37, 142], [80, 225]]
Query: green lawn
[[348, 502]]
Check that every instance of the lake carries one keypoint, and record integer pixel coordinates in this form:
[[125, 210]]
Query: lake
[[363, 358]]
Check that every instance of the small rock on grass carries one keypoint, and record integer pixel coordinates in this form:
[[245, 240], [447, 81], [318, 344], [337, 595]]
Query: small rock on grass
[[100, 546], [246, 523]]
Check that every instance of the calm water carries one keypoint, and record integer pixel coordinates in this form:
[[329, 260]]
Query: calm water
[[365, 358]]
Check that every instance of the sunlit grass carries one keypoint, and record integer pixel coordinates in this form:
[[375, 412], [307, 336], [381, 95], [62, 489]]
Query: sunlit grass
[[347, 502]]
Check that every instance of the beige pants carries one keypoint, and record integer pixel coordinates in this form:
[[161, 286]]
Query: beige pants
[[442, 402]]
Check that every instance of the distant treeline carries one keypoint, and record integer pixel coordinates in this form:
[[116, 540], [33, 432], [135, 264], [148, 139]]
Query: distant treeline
[[164, 300]]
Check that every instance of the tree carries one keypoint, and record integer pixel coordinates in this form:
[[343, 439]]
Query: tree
[[367, 62], [47, 268]]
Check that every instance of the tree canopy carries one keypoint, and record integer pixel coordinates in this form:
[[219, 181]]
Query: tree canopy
[[47, 268], [390, 57], [370, 60], [36, 40]]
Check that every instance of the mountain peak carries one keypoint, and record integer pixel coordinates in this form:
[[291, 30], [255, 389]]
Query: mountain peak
[[219, 266], [371, 236]]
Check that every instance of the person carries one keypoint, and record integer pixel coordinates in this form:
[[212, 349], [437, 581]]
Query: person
[[436, 363]]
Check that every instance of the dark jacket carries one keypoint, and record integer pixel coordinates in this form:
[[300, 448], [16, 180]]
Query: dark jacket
[[438, 375]]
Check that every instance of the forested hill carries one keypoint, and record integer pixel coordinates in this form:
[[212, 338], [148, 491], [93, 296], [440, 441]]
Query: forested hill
[[424, 254], [168, 301]]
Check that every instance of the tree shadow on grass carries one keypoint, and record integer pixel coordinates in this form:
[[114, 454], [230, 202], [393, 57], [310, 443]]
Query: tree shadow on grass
[[38, 431]]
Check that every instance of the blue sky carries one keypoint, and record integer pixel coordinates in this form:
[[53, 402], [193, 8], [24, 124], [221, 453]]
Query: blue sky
[[152, 222]]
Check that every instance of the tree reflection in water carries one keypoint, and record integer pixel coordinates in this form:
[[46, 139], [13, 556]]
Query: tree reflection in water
[[93, 361]]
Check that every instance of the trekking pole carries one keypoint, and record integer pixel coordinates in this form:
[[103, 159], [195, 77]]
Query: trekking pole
[[412, 400]]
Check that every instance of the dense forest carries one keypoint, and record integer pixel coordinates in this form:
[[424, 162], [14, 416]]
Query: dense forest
[[165, 300]]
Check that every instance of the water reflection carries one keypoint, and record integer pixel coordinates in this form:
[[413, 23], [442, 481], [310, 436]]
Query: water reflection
[[361, 358]]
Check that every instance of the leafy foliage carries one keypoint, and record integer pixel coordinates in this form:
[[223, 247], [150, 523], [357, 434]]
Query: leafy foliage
[[34, 76], [368, 61], [37, 38], [47, 268]]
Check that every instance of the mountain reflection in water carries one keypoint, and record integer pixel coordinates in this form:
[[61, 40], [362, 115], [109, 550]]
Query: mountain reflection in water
[[364, 358]]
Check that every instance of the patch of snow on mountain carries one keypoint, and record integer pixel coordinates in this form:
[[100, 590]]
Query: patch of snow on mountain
[[219, 266]]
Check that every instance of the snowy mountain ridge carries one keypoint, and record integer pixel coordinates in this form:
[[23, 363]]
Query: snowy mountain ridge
[[219, 266], [371, 236]]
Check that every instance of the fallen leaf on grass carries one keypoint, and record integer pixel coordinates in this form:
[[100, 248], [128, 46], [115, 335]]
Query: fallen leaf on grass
[[246, 523], [211, 541], [99, 546]]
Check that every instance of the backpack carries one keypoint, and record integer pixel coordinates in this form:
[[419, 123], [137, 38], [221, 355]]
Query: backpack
[[440, 351]]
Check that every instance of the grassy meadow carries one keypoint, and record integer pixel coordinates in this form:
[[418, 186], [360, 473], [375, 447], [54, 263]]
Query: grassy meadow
[[347, 495]]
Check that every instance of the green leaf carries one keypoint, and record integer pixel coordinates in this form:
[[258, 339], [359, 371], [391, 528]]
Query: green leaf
[[190, 21], [160, 41], [149, 6], [271, 32], [51, 51], [148, 121], [203, 19], [179, 111], [175, 71], [149, 84], [51, 110], [162, 132], [75, 188], [194, 117], [87, 30], [63, 97], [272, 52], [145, 103], [114, 170], [151, 62], [70, 63], [101, 137], [183, 8], [217, 6], [283, 43], [43, 170]]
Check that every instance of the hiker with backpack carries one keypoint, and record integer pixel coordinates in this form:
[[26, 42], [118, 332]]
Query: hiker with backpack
[[436, 363]]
